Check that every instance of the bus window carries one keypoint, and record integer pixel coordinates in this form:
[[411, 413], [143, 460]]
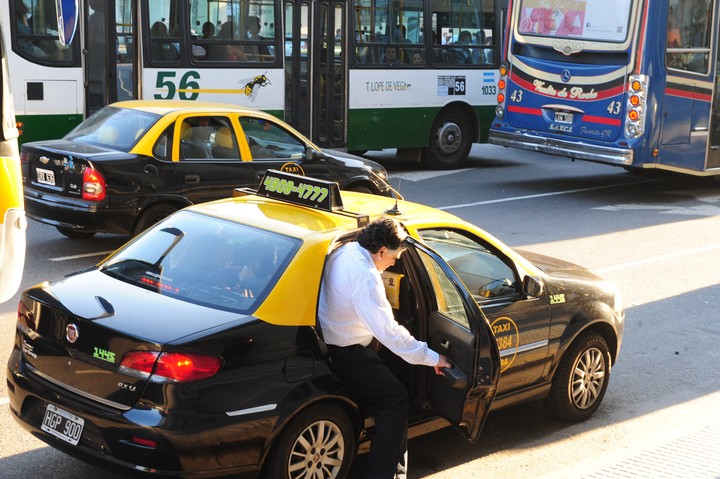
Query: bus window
[[463, 32], [688, 35], [389, 33], [35, 33]]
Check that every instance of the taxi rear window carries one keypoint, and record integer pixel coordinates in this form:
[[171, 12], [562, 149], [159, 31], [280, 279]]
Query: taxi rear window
[[205, 260]]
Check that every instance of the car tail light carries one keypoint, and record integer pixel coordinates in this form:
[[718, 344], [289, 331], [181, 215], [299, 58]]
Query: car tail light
[[181, 367], [26, 319], [93, 188]]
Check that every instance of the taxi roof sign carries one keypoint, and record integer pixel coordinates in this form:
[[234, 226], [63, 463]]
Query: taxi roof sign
[[301, 190]]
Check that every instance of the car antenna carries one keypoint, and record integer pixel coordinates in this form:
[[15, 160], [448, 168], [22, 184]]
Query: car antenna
[[395, 211]]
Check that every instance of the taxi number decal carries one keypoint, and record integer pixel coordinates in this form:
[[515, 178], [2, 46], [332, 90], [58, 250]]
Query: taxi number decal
[[506, 335], [557, 298], [104, 354]]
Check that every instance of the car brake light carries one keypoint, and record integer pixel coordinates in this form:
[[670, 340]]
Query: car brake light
[[26, 318], [181, 367], [93, 188]]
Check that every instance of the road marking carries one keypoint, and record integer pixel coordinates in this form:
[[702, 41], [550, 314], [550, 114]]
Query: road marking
[[710, 197], [658, 259], [415, 176], [542, 195], [77, 256]]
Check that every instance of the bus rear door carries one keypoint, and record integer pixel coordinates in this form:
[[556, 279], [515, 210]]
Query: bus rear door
[[690, 138], [316, 70]]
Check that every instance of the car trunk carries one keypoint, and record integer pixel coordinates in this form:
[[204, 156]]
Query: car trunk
[[78, 341], [57, 166]]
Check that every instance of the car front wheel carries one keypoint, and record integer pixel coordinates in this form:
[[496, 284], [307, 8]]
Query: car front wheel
[[318, 443], [581, 379]]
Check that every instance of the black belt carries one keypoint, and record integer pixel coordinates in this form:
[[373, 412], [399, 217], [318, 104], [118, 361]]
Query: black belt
[[374, 346]]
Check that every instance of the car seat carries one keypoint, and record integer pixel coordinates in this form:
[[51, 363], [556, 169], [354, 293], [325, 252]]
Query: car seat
[[224, 146]]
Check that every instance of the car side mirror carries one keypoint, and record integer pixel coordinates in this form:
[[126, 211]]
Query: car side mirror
[[532, 286], [313, 154]]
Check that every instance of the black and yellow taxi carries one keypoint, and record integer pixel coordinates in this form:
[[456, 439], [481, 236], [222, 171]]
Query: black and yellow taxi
[[135, 162], [193, 350]]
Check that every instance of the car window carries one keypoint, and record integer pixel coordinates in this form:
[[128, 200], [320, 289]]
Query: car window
[[112, 127], [208, 137], [483, 271], [268, 140], [206, 261], [449, 301]]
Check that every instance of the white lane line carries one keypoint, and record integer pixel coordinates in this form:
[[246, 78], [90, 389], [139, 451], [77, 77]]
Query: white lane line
[[658, 259], [541, 195], [86, 255]]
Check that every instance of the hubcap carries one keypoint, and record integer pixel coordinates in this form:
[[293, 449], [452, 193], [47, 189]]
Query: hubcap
[[317, 453], [587, 378], [449, 138]]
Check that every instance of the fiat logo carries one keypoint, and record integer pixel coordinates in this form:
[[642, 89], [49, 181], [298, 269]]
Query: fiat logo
[[565, 76], [72, 333]]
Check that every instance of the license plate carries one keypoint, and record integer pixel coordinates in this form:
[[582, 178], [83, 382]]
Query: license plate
[[46, 177], [563, 117], [62, 424]]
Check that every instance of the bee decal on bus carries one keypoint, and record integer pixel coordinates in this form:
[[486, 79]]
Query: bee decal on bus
[[252, 85]]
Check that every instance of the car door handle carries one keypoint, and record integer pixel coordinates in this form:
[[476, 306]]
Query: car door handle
[[192, 178]]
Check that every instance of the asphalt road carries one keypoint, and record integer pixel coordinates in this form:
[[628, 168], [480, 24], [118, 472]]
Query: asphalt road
[[656, 237]]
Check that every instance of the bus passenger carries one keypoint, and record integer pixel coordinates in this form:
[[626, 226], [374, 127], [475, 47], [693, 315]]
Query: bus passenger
[[390, 57], [257, 51], [417, 58]]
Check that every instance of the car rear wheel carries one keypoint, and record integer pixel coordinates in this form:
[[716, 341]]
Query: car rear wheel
[[581, 379], [152, 215], [74, 233], [450, 141], [318, 443]]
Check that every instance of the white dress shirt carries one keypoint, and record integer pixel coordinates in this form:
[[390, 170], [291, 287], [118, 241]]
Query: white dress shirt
[[353, 308]]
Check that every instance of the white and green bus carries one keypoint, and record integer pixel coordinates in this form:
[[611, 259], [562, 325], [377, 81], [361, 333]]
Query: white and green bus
[[416, 75]]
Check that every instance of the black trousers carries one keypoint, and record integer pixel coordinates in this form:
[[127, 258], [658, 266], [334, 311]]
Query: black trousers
[[380, 394]]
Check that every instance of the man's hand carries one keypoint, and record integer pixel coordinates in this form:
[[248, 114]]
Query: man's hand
[[442, 363]]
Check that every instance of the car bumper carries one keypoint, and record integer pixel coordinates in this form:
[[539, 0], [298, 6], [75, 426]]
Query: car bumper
[[184, 445], [572, 149], [56, 210]]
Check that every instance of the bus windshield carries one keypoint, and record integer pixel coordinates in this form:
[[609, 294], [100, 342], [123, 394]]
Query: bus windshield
[[590, 20]]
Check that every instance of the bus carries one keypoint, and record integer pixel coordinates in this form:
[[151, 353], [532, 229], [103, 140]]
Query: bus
[[630, 83], [13, 223], [416, 75]]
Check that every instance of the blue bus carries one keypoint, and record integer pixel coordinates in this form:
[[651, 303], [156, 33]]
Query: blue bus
[[628, 83]]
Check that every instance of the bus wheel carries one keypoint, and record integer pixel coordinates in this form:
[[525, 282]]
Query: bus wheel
[[581, 378], [74, 233], [450, 141], [319, 442], [151, 216]]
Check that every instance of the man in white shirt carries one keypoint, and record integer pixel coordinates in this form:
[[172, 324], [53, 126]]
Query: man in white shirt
[[353, 312]]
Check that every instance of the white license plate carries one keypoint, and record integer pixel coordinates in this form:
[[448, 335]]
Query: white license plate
[[563, 117], [62, 424], [46, 177]]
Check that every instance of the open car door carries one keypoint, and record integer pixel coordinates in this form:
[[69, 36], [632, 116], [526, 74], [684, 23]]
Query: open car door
[[458, 329]]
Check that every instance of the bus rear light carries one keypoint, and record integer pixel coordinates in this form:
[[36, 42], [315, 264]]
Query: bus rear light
[[501, 98], [636, 105], [501, 84], [499, 111], [503, 70], [93, 188]]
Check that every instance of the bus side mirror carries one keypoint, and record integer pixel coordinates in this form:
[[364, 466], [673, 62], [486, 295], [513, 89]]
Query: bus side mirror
[[532, 287]]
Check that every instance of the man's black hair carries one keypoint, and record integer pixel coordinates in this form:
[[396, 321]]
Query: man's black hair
[[382, 232]]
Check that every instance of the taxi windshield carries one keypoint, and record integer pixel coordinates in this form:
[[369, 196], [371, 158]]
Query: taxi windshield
[[112, 127], [590, 20], [206, 261]]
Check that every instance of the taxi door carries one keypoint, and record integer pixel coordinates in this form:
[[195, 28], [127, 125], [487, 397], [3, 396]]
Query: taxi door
[[458, 329]]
